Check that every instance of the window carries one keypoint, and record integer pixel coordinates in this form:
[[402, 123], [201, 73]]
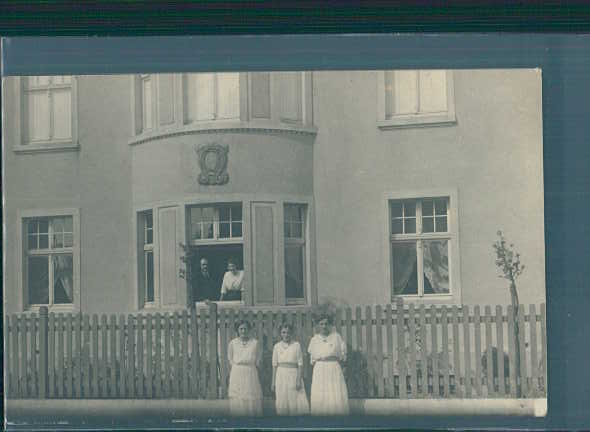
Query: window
[[416, 97], [294, 232], [147, 256], [212, 96], [48, 110], [147, 106], [49, 260], [146, 91], [216, 238], [216, 222], [421, 244]]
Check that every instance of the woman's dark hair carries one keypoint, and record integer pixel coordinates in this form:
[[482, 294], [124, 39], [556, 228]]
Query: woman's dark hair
[[240, 322], [231, 261], [326, 316], [287, 326]]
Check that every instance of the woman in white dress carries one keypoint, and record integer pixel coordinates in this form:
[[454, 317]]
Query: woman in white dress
[[287, 375], [329, 394], [244, 391], [233, 282]]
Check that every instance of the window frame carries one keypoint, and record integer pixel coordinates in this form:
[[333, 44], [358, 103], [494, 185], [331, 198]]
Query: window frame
[[22, 258], [215, 96], [447, 118], [451, 235], [147, 248], [143, 78], [216, 240], [24, 145], [303, 242]]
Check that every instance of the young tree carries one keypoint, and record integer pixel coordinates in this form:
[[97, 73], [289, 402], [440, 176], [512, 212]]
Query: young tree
[[185, 271], [508, 261], [185, 259]]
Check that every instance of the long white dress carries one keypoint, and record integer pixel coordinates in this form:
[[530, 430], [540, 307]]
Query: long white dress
[[244, 391], [289, 400], [329, 394]]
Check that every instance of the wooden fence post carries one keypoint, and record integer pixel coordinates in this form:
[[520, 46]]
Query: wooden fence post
[[43, 329], [213, 382]]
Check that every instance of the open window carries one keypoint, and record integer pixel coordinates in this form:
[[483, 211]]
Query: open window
[[216, 237]]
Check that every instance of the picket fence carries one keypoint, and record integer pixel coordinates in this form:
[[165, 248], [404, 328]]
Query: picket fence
[[393, 352]]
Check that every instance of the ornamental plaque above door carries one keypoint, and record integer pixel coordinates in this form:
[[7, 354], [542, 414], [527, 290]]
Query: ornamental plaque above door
[[213, 163]]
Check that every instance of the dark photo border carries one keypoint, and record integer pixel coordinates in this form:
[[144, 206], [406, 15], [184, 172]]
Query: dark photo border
[[565, 63]]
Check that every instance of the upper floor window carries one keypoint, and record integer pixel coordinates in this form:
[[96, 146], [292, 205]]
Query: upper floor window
[[416, 97], [289, 85], [148, 105], [48, 110], [50, 260], [212, 96]]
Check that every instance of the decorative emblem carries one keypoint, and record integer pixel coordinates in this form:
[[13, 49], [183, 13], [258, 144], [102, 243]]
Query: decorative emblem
[[213, 163]]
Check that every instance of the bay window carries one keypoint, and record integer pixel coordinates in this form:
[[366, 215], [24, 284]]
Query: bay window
[[166, 104]]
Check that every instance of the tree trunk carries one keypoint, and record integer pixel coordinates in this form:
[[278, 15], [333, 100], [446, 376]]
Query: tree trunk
[[515, 305]]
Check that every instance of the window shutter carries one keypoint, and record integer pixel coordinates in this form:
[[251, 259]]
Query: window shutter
[[406, 92], [62, 113], [290, 96], [260, 94], [166, 99], [228, 95], [168, 255], [201, 103], [433, 91], [147, 99], [38, 116], [264, 251]]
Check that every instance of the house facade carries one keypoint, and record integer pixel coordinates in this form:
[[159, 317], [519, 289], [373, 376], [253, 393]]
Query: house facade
[[352, 187]]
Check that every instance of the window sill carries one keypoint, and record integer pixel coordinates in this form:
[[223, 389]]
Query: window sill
[[154, 308], [224, 126], [47, 147], [53, 308], [440, 299], [240, 304], [221, 304], [421, 120]]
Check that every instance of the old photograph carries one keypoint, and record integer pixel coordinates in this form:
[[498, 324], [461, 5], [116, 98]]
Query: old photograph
[[268, 244]]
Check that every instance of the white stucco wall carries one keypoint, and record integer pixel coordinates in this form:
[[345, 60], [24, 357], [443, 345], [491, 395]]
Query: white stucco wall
[[491, 156]]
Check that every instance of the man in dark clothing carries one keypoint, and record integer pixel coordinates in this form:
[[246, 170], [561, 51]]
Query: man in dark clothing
[[205, 287]]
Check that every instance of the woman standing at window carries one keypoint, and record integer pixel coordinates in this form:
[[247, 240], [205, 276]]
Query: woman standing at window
[[233, 279], [287, 375], [244, 356], [329, 395]]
